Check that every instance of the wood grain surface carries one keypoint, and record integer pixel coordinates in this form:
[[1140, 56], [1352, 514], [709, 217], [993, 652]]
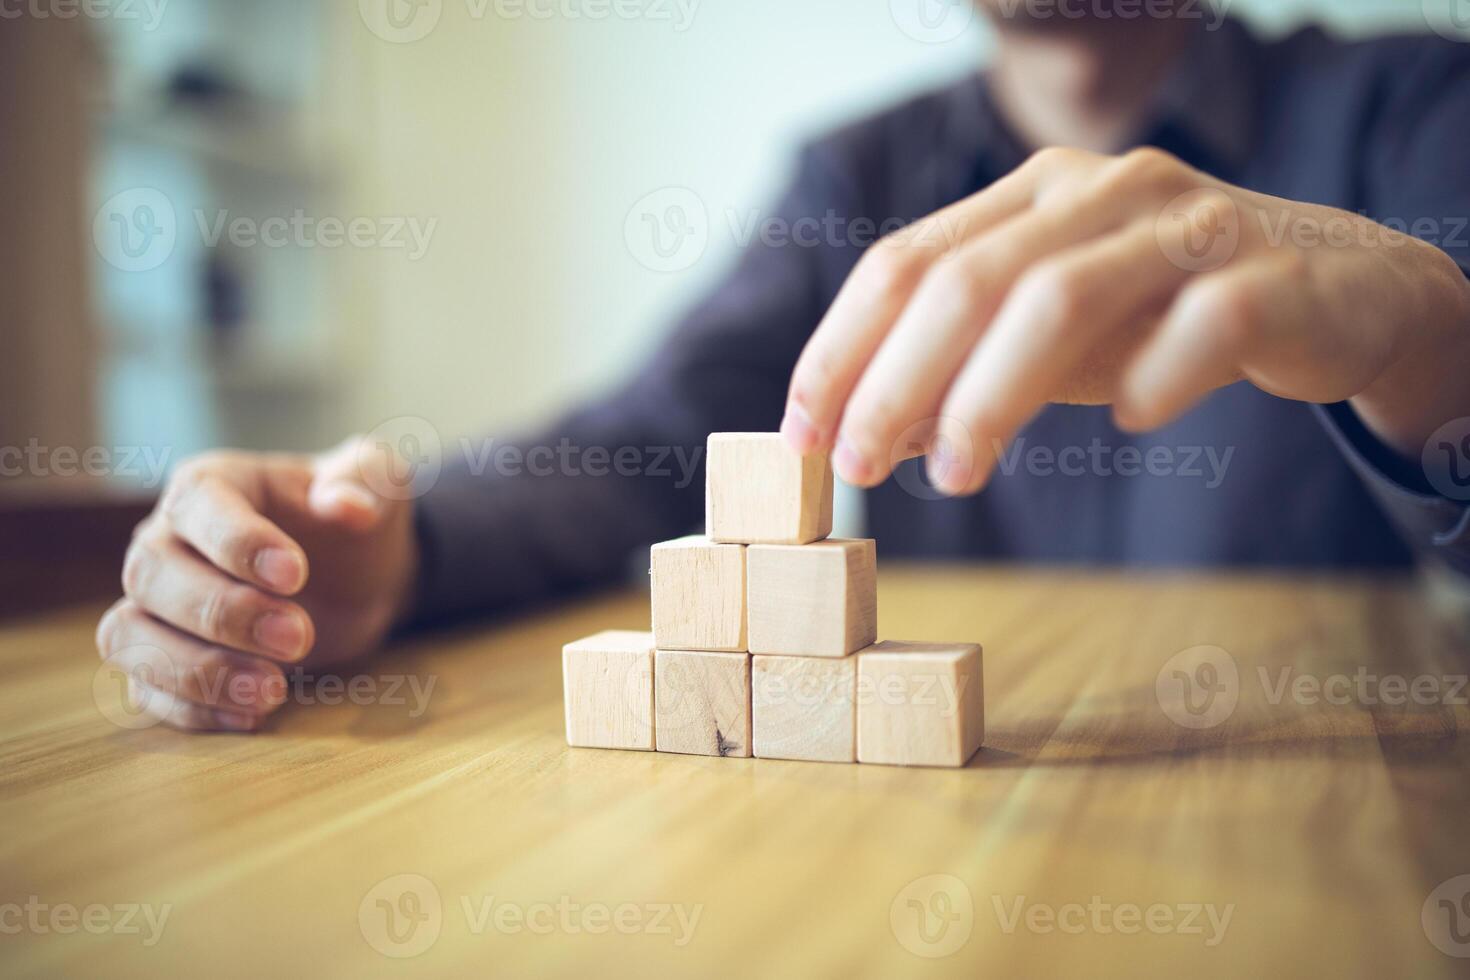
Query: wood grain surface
[[1117, 821]]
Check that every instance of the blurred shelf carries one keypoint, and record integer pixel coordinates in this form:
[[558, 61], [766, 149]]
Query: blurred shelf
[[241, 140], [230, 371]]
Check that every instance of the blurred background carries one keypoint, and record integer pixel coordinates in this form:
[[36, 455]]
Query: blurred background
[[270, 223]]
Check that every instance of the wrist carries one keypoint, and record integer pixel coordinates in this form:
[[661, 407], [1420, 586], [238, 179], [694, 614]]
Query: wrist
[[1424, 386]]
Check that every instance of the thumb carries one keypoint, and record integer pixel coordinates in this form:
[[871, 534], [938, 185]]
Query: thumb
[[345, 485]]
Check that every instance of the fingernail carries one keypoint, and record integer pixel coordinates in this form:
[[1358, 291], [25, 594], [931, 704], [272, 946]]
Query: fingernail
[[282, 633], [280, 569], [850, 464], [798, 429], [233, 722]]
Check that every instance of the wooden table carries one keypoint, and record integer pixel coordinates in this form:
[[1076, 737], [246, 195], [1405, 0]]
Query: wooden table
[[1093, 835]]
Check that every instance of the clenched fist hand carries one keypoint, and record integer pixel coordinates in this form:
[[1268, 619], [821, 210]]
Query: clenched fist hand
[[249, 565]]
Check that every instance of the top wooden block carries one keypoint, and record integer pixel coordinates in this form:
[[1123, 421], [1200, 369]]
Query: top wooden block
[[758, 490]]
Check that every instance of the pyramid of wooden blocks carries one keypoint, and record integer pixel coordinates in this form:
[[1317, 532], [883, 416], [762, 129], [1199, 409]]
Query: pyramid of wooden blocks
[[763, 638]]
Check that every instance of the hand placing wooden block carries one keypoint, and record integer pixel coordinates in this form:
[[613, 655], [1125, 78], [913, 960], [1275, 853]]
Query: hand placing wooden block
[[702, 702], [698, 595], [759, 490], [608, 689], [803, 708], [816, 600], [920, 704]]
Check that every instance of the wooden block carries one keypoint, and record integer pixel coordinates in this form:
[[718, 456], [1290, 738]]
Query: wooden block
[[758, 490], [698, 594], [816, 600], [608, 690], [803, 708], [702, 705], [920, 704]]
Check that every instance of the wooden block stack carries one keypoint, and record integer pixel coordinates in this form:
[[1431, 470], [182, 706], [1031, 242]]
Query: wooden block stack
[[763, 638]]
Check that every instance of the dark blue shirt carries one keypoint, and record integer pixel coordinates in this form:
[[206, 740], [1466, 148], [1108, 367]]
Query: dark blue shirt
[[1380, 127]]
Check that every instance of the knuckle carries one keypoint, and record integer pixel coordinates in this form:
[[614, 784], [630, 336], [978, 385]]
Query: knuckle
[[1053, 158], [140, 565], [1232, 309], [1053, 292], [213, 614], [230, 612], [234, 544], [952, 285], [182, 486], [109, 626], [1148, 165], [890, 267]]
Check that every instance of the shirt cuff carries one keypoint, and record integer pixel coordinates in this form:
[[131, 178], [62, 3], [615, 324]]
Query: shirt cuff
[[1436, 527]]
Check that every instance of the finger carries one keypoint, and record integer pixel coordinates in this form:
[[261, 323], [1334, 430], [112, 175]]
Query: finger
[[214, 516], [170, 581], [1060, 313], [1208, 339], [342, 485], [169, 660], [872, 299], [951, 310], [176, 712]]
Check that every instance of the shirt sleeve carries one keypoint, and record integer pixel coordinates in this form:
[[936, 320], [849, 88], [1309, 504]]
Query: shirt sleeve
[[596, 488], [1437, 527], [1415, 181]]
